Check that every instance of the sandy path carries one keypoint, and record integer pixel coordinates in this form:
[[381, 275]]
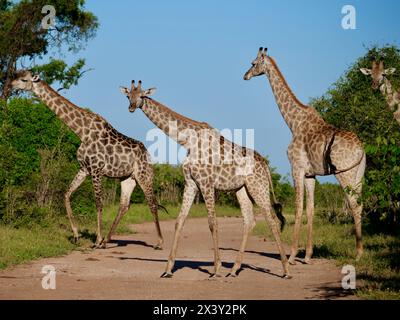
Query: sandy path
[[130, 268]]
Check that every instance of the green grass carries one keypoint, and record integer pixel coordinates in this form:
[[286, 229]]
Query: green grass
[[53, 236], [378, 275], [26, 244]]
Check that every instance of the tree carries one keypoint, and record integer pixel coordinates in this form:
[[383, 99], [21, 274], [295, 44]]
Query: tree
[[22, 36], [352, 104]]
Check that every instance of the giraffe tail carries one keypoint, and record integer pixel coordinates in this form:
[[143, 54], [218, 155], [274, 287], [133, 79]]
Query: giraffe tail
[[276, 206]]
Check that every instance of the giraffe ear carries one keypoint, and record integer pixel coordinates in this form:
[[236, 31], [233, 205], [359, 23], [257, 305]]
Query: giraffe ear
[[389, 71], [365, 71], [149, 92], [124, 90], [36, 78]]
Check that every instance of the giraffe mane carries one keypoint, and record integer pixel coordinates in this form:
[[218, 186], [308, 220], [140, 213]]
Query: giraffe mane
[[285, 83], [179, 116], [69, 102]]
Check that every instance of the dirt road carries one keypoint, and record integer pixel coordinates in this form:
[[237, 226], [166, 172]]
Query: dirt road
[[130, 268]]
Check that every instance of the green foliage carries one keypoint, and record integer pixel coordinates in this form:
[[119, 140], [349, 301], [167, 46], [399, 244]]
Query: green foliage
[[22, 36], [168, 183], [352, 104], [58, 71]]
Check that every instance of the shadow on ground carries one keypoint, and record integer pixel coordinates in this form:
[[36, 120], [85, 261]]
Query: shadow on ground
[[202, 265]]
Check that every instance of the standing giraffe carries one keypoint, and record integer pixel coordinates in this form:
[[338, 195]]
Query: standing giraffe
[[213, 163], [379, 80], [317, 148], [103, 152]]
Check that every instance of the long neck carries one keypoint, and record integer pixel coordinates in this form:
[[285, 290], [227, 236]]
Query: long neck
[[392, 98], [291, 108], [74, 117], [169, 121]]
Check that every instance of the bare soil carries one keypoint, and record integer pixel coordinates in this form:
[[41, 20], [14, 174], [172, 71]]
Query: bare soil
[[130, 269]]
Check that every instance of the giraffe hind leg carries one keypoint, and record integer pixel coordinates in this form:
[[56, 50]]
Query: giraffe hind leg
[[146, 183], [353, 180], [127, 187], [246, 207], [260, 194]]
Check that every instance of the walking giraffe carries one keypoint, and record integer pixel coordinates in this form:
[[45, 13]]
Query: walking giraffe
[[213, 163], [317, 148], [103, 152], [379, 80]]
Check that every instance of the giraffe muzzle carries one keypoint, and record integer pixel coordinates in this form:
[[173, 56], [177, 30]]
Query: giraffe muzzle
[[247, 76]]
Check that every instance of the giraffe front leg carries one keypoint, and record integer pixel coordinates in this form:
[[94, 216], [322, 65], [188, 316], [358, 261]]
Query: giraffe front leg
[[79, 178], [188, 198], [209, 198], [298, 177], [98, 191], [310, 187]]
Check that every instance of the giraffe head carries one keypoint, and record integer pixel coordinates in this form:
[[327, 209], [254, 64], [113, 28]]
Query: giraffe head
[[377, 73], [136, 95], [258, 65], [24, 80]]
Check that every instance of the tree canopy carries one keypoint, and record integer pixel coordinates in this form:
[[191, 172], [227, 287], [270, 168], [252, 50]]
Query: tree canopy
[[24, 38]]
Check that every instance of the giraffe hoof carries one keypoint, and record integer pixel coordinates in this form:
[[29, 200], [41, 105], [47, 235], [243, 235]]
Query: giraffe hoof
[[292, 261], [308, 261], [215, 276], [287, 276], [166, 275], [158, 247], [231, 275], [100, 245], [76, 239]]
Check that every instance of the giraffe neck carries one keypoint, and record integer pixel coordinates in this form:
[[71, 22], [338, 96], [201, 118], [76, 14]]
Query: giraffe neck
[[292, 110], [169, 121], [392, 98], [74, 117]]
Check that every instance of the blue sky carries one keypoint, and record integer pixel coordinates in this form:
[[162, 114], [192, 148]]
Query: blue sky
[[196, 53]]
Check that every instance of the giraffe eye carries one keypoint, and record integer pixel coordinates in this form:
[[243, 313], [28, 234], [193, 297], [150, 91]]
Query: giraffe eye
[[24, 80]]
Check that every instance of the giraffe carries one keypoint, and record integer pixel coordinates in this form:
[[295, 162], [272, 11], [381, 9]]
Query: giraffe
[[379, 80], [317, 149], [103, 152], [213, 163]]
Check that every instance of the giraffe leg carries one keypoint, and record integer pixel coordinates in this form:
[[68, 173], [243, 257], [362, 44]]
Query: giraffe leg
[[127, 187], [146, 183], [353, 180], [262, 199], [98, 192], [246, 207], [310, 187], [298, 177], [79, 178], [187, 201], [209, 199]]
